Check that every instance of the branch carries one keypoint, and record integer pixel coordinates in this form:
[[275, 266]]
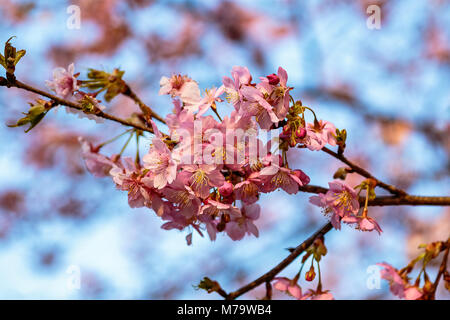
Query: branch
[[379, 201], [17, 84], [267, 277], [392, 189], [146, 110], [398, 200], [442, 270]]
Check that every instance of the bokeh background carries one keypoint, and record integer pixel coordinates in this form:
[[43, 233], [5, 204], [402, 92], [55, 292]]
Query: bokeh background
[[389, 88]]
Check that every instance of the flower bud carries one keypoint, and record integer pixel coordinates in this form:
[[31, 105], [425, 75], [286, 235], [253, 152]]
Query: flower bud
[[226, 189], [302, 176], [310, 275], [300, 133], [273, 79]]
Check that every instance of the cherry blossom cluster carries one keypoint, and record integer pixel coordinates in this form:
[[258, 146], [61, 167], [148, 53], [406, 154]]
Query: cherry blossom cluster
[[208, 172]]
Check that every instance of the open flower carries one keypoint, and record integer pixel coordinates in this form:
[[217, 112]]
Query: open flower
[[159, 161], [239, 226], [340, 201], [275, 177], [318, 134], [201, 178], [64, 81], [209, 100], [97, 164]]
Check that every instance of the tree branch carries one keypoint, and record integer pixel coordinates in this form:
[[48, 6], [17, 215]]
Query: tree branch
[[146, 110], [392, 189], [17, 84]]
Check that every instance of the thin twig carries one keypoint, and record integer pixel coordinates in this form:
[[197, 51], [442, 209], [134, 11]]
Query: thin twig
[[146, 110], [392, 189], [17, 84]]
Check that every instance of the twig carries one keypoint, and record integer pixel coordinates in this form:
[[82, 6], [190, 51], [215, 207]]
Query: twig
[[442, 269], [17, 84], [267, 277], [392, 189], [146, 110]]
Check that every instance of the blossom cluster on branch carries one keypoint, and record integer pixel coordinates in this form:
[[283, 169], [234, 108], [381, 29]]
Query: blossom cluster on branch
[[207, 173]]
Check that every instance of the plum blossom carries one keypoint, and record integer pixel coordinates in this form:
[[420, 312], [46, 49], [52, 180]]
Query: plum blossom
[[288, 286], [64, 81], [239, 226]]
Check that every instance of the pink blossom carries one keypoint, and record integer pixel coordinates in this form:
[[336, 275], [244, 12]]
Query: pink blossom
[[182, 195], [96, 163], [64, 81], [340, 201], [215, 208], [241, 76], [226, 189], [159, 161], [201, 178], [369, 224], [319, 134], [275, 177], [239, 226], [288, 286], [248, 190], [211, 97], [318, 295], [398, 286], [256, 105], [129, 178], [180, 86]]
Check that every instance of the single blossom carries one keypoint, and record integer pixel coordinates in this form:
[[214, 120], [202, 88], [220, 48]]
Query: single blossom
[[318, 134], [240, 225], [64, 81], [340, 201], [159, 161], [201, 178], [275, 177], [180, 86], [209, 100], [97, 164]]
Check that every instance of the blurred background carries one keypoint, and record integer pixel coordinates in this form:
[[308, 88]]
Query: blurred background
[[388, 87]]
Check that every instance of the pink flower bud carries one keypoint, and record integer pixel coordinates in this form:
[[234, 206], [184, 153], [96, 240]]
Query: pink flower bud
[[302, 176], [273, 79], [300, 133], [226, 189]]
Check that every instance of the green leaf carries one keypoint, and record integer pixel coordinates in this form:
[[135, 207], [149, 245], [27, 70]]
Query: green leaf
[[2, 61], [36, 113], [19, 56]]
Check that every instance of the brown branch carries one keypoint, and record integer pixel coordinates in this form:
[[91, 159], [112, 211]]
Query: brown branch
[[379, 201], [146, 110], [404, 200], [17, 84], [441, 271], [392, 189], [267, 277]]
